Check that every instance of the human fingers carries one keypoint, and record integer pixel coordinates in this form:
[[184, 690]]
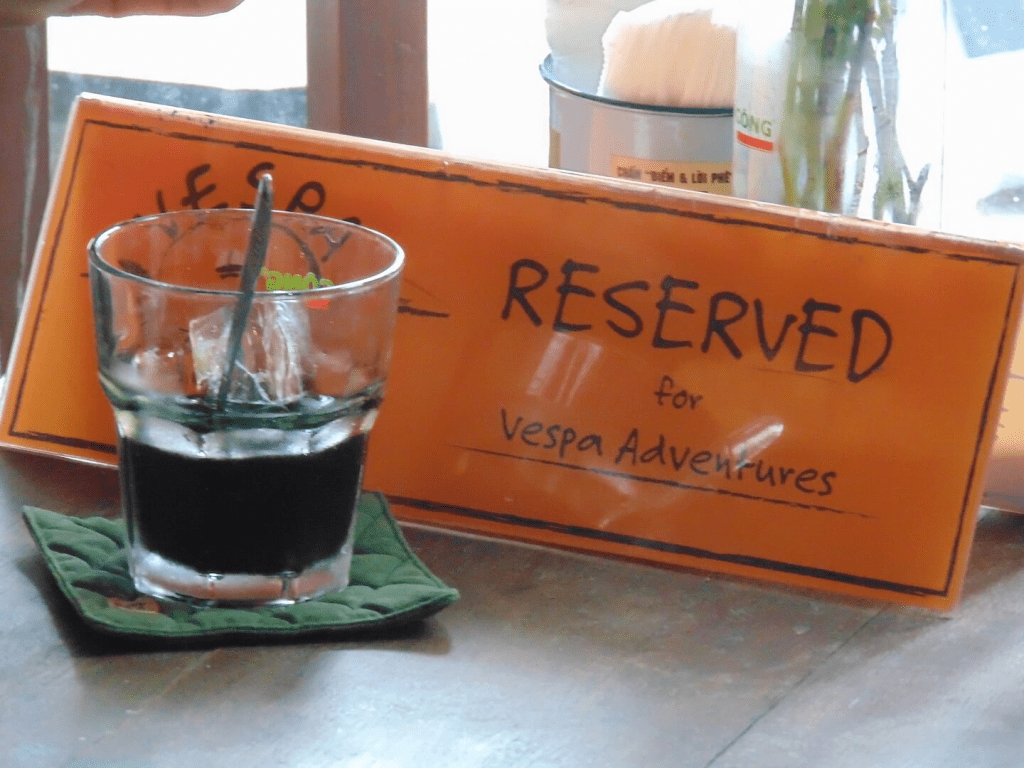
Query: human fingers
[[20, 13], [155, 7]]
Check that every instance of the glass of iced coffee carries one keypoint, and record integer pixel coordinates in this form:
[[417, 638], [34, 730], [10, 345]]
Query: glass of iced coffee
[[240, 479]]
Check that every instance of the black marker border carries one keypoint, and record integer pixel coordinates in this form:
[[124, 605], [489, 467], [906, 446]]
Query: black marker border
[[533, 523]]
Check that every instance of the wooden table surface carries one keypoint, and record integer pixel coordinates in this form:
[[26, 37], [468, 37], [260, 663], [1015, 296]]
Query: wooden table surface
[[549, 659]]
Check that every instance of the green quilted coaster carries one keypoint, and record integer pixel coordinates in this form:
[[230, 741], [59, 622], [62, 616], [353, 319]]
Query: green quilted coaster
[[388, 585]]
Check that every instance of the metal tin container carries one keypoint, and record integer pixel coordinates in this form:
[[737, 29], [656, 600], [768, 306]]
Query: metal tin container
[[675, 146]]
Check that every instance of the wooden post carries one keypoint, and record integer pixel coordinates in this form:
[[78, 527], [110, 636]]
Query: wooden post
[[24, 165], [367, 64]]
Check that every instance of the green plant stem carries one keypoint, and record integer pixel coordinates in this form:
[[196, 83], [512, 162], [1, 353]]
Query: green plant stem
[[789, 141], [835, 161], [838, 47]]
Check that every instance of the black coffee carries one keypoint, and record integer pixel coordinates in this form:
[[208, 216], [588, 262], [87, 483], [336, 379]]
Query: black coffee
[[259, 515]]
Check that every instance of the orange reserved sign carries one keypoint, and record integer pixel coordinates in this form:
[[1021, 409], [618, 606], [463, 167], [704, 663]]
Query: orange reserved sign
[[595, 364]]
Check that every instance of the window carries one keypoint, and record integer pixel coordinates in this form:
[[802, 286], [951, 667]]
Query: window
[[488, 99], [227, 63]]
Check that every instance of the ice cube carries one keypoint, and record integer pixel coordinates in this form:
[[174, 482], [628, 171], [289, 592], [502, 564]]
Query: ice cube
[[284, 331], [208, 336], [273, 359]]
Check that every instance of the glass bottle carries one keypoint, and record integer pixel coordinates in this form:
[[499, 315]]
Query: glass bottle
[[840, 107]]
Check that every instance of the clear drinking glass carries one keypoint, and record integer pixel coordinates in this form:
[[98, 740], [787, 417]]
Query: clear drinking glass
[[245, 496]]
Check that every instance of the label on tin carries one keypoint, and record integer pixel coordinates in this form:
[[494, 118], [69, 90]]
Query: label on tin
[[700, 176], [762, 58], [554, 148]]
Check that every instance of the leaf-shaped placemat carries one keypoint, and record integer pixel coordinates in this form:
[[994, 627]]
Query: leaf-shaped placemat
[[388, 584]]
